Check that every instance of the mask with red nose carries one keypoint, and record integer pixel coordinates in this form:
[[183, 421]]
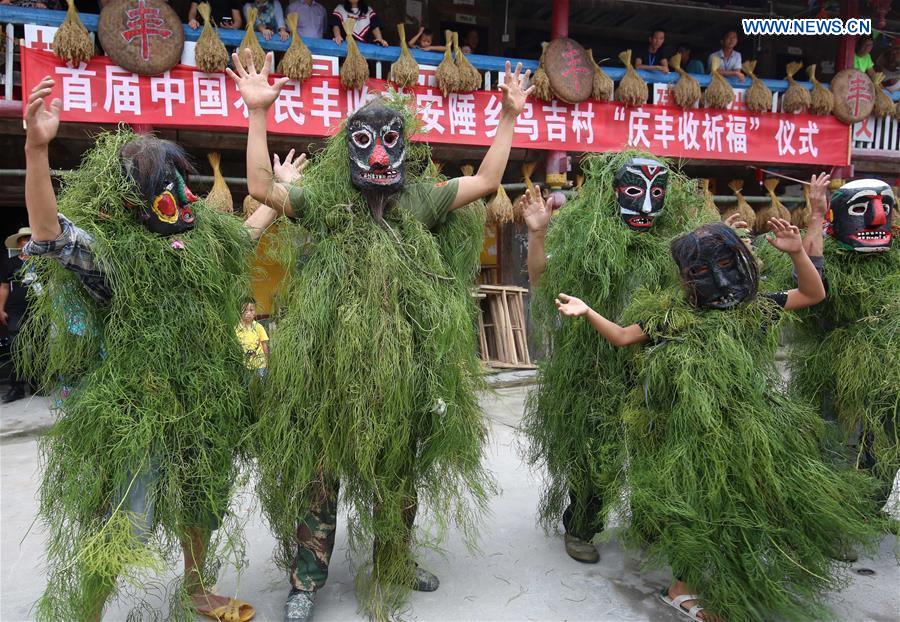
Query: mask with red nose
[[377, 149], [860, 215]]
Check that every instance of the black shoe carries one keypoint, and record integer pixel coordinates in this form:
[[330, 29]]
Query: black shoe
[[425, 581], [299, 606], [16, 392]]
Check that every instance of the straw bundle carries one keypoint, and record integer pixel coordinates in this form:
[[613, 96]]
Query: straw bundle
[[708, 209], [796, 97], [774, 209], [355, 70], [821, 100], [250, 41], [897, 110], [604, 87], [540, 80], [742, 207], [632, 89], [469, 78], [802, 213], [72, 41], [758, 97], [719, 93], [405, 70], [447, 75], [686, 91], [500, 209], [211, 55], [297, 62], [883, 103], [250, 206], [527, 171], [219, 198], [579, 181]]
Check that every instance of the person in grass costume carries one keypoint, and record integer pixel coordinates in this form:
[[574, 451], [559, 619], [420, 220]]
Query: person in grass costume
[[137, 315], [608, 241], [371, 391], [726, 479]]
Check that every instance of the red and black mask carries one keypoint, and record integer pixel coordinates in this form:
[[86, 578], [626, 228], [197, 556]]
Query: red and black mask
[[860, 215], [377, 149], [159, 169], [641, 191]]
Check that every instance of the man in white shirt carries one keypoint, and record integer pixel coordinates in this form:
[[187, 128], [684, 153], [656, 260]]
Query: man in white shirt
[[730, 57], [311, 17]]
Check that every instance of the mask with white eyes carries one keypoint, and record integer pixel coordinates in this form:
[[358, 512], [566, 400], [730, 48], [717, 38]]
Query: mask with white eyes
[[641, 191], [377, 149], [860, 215]]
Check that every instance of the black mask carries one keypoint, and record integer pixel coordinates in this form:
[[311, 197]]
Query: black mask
[[717, 270], [377, 149], [860, 215], [158, 169], [641, 192]]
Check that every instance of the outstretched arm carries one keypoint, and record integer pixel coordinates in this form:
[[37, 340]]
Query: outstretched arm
[[42, 123], [490, 173], [810, 290], [259, 95], [536, 212], [288, 172], [616, 335], [818, 188]]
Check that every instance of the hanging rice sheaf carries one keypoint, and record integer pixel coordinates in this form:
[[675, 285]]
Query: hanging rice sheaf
[[632, 89], [297, 62], [796, 97], [802, 212], [405, 70], [741, 207], [250, 206], [72, 42], [686, 91], [775, 209], [355, 70], [210, 53], [884, 105], [604, 87], [250, 41], [758, 97], [540, 80], [708, 211], [719, 93], [447, 74], [219, 198], [821, 100], [500, 209], [469, 78]]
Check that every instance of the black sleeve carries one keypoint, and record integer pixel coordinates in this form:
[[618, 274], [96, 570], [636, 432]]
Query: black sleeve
[[374, 22], [779, 298], [7, 270]]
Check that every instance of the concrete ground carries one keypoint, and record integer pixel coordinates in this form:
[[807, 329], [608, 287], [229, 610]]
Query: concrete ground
[[520, 572]]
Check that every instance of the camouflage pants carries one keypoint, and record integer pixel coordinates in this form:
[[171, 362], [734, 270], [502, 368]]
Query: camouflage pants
[[315, 536]]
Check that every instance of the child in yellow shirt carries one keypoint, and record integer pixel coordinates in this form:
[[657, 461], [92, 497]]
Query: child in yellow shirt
[[254, 340]]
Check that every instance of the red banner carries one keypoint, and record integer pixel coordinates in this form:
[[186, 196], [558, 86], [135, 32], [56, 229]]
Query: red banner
[[100, 92]]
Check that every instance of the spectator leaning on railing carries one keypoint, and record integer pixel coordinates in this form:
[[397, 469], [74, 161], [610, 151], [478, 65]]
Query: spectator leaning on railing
[[225, 13], [270, 17], [311, 17], [654, 56], [730, 57], [368, 24], [690, 65], [34, 4]]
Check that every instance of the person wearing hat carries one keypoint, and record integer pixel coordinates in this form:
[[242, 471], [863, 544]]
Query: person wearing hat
[[14, 282]]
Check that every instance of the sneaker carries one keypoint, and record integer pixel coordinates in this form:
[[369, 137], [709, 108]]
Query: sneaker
[[581, 551], [299, 606], [425, 581]]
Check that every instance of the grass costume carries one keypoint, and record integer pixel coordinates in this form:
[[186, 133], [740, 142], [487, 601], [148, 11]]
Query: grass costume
[[136, 314], [605, 243]]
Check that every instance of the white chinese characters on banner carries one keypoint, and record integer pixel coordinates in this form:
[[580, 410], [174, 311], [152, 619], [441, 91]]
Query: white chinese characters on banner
[[289, 104], [76, 88], [210, 96], [325, 103], [167, 89]]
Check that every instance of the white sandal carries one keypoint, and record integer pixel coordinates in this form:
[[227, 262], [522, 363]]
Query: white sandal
[[676, 602]]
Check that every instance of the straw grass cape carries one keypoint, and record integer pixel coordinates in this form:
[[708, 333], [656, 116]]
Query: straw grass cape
[[158, 386]]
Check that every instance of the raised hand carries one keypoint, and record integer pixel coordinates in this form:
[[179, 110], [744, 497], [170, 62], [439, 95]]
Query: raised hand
[[571, 306], [41, 122], [535, 210], [785, 236], [290, 170], [818, 191], [254, 85], [514, 91], [734, 221]]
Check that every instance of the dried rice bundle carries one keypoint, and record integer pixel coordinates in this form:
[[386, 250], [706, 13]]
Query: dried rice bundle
[[250, 41], [821, 100], [709, 209], [297, 61], [500, 209], [742, 207], [719, 93], [774, 209], [405, 70], [219, 198], [686, 91], [632, 89], [540, 80], [250, 206], [355, 70], [72, 42], [527, 171], [469, 78], [579, 181], [897, 110], [758, 97], [884, 105], [796, 97], [801, 214], [447, 75], [210, 54], [604, 87]]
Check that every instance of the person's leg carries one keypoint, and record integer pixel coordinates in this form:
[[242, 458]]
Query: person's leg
[[581, 521], [16, 384]]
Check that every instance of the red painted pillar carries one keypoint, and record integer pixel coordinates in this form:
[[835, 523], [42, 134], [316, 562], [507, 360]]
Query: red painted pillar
[[847, 44], [557, 160]]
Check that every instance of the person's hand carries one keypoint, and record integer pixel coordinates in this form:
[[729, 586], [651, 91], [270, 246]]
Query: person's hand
[[535, 210], [283, 34], [193, 24], [254, 86], [338, 39], [266, 33], [381, 42], [290, 170], [571, 306], [818, 191], [41, 122], [5, 1], [785, 236], [734, 221], [740, 76], [40, 5], [514, 91], [421, 30]]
